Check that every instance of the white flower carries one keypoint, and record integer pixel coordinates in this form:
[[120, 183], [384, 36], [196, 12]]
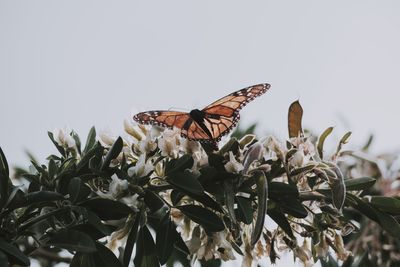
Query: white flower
[[64, 138], [276, 149], [254, 154], [115, 189], [233, 165], [298, 159], [131, 201], [142, 167], [200, 159], [341, 253], [147, 144], [132, 131], [190, 146], [106, 138], [169, 143]]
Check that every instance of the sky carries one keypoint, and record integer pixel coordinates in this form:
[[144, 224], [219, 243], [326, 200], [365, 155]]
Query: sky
[[84, 63]]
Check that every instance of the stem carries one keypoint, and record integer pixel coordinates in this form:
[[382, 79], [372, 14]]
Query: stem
[[25, 226], [54, 257]]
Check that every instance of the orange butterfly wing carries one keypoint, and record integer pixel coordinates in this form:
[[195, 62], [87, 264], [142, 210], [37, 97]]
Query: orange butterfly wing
[[163, 118], [223, 115]]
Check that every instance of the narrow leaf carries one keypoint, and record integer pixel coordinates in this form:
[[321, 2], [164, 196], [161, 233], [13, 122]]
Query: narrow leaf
[[73, 240], [186, 181], [113, 153], [262, 195], [104, 257], [166, 234], [130, 242], [4, 179], [320, 145], [90, 141], [59, 148], [14, 254], [206, 218], [107, 209], [77, 190], [362, 183], [146, 250]]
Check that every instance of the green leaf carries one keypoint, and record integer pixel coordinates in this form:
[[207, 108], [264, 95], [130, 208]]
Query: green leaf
[[53, 169], [206, 218], [362, 183], [179, 165], [186, 181], [320, 145], [281, 220], [153, 201], [4, 179], [83, 260], [230, 200], [338, 189], [73, 240], [180, 244], [338, 193], [130, 242], [78, 144], [166, 234], [107, 209], [387, 222], [59, 148], [262, 195], [95, 221], [386, 204], [96, 149], [3, 164], [279, 190], [206, 200], [113, 153], [22, 200], [3, 259], [245, 210], [77, 190], [90, 141], [146, 255], [343, 141], [293, 206], [13, 253], [105, 257]]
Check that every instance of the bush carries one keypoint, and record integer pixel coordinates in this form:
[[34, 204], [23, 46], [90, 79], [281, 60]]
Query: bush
[[154, 198]]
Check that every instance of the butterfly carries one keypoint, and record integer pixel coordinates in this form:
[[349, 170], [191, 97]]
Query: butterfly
[[209, 124]]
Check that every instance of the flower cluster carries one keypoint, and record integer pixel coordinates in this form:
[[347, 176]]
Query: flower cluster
[[294, 165]]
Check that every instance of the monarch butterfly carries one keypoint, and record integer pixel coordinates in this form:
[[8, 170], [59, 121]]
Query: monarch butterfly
[[210, 123]]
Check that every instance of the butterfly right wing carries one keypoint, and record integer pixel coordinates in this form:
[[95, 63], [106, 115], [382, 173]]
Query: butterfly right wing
[[164, 118]]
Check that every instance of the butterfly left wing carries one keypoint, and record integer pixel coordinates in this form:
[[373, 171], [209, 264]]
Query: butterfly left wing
[[223, 115], [168, 119]]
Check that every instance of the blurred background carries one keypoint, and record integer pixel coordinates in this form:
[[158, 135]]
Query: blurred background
[[83, 63]]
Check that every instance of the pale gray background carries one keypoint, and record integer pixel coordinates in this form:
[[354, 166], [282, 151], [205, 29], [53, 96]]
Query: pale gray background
[[83, 63]]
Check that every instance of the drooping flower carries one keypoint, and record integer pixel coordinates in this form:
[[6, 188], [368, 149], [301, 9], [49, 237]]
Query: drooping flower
[[63, 137], [115, 189], [169, 143], [141, 168], [233, 165], [277, 150]]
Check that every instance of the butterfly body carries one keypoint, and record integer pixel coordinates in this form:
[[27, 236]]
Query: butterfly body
[[210, 123]]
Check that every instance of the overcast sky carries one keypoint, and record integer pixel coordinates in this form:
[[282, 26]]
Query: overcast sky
[[83, 63]]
